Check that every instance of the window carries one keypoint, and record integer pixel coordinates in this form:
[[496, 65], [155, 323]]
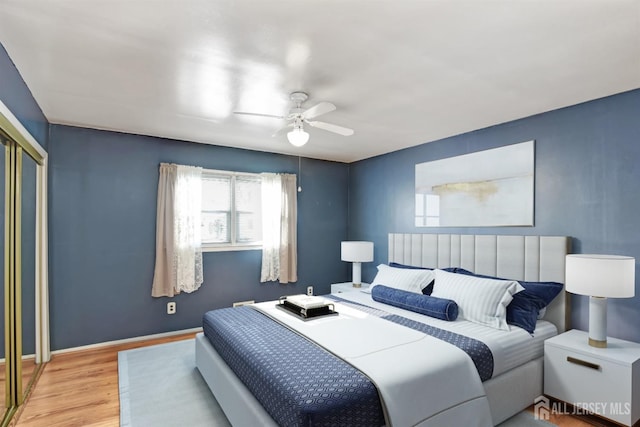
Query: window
[[231, 210]]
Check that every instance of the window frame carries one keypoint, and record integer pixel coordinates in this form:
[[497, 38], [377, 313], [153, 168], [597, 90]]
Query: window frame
[[233, 245]]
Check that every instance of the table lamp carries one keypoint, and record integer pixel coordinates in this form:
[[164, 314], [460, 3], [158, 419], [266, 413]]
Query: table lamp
[[357, 253], [600, 277]]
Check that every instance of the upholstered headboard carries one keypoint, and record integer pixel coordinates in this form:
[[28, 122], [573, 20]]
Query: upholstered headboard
[[530, 258]]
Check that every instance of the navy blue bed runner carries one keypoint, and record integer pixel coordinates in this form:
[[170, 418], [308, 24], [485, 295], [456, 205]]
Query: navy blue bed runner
[[296, 381], [301, 384]]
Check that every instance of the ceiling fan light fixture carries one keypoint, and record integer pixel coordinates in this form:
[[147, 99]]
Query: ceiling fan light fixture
[[298, 137], [298, 116]]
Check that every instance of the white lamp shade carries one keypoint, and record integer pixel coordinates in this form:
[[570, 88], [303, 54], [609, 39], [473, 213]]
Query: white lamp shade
[[611, 276], [356, 251]]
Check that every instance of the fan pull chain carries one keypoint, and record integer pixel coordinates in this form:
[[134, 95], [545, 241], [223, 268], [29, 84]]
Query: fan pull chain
[[299, 175]]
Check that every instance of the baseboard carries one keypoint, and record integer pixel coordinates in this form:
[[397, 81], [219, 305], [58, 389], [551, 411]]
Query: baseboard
[[126, 341], [24, 357]]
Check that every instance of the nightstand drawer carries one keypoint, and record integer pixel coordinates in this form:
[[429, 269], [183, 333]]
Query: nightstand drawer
[[601, 386]]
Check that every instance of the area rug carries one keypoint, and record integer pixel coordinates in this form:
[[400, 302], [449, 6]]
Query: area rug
[[160, 386]]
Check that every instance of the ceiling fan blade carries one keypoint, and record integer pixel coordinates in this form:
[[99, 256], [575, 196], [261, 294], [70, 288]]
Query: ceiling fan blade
[[318, 110], [331, 128], [259, 115]]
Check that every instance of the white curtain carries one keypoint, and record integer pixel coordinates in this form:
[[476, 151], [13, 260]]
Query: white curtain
[[279, 228], [178, 226]]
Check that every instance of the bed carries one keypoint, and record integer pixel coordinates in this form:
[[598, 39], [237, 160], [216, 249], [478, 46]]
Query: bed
[[514, 385]]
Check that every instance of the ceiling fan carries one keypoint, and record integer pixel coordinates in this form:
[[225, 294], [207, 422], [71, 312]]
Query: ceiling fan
[[299, 116]]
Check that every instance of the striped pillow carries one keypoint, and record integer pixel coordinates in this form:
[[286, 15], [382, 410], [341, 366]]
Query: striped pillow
[[401, 278], [479, 300]]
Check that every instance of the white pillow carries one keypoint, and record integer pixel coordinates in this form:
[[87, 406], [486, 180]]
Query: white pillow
[[403, 278], [479, 300]]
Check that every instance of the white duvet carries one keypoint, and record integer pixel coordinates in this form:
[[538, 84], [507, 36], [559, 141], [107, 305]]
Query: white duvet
[[422, 380], [510, 349]]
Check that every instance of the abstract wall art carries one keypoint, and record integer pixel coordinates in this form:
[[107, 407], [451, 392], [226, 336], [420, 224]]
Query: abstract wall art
[[489, 188]]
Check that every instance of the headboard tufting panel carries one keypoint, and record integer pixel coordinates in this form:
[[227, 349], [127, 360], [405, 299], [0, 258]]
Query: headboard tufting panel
[[530, 258]]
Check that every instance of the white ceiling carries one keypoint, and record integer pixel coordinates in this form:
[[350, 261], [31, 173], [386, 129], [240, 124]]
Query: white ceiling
[[400, 72]]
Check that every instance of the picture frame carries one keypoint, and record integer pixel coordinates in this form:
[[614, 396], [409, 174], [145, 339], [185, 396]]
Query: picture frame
[[489, 188]]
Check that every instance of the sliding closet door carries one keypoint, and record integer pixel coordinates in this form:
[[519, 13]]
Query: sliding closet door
[[20, 337], [24, 230], [13, 160], [27, 286], [3, 366]]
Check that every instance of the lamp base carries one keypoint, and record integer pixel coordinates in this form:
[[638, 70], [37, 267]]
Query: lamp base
[[598, 322], [356, 277]]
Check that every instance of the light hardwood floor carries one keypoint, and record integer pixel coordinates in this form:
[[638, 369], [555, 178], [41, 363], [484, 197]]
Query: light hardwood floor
[[81, 389]]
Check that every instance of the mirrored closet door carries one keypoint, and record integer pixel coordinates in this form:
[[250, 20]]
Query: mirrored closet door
[[27, 284], [4, 366], [25, 309]]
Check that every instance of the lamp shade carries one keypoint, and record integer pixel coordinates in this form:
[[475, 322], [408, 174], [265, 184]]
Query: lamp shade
[[611, 276], [356, 251]]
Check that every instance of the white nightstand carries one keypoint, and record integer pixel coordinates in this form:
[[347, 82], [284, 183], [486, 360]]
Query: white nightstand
[[337, 288], [605, 381]]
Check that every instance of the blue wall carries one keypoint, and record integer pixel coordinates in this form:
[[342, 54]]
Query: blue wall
[[102, 238], [15, 94], [586, 187]]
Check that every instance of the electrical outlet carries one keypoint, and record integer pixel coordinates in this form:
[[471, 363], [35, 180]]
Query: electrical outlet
[[309, 290], [171, 307]]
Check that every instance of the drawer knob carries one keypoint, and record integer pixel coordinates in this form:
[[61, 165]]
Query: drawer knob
[[583, 363]]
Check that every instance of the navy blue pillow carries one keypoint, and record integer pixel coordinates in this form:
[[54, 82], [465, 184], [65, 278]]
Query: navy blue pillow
[[523, 310], [429, 288], [439, 308]]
